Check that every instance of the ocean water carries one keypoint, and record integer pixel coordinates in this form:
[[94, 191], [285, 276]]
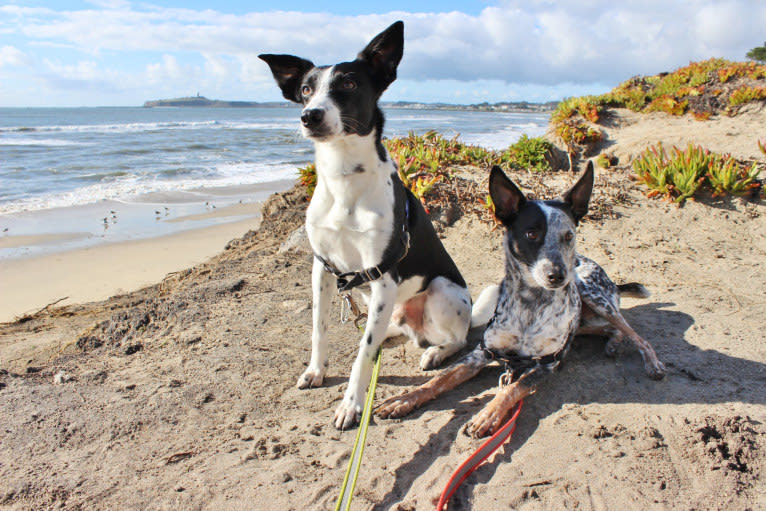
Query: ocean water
[[86, 170]]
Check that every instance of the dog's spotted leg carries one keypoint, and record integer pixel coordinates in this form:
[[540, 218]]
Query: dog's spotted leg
[[615, 337], [654, 368], [323, 286], [380, 307], [462, 371], [495, 413], [614, 344]]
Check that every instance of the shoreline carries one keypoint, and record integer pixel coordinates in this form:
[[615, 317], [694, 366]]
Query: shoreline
[[47, 231], [32, 283], [59, 256]]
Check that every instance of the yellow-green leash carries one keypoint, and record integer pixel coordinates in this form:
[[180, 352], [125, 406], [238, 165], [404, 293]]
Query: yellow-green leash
[[347, 490]]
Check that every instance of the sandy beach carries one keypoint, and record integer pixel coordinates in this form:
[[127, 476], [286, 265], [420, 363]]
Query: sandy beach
[[98, 272], [136, 246], [181, 395]]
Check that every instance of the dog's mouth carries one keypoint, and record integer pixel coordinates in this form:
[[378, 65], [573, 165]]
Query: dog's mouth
[[322, 133], [318, 133], [552, 286]]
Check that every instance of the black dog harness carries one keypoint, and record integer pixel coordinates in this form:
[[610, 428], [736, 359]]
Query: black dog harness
[[517, 367], [349, 280]]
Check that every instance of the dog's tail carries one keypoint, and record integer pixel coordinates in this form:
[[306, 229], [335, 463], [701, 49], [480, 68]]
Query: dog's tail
[[634, 290], [484, 307]]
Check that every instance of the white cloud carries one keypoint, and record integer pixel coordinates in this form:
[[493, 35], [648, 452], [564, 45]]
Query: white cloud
[[83, 71], [219, 68], [731, 24], [169, 70], [12, 56], [110, 4]]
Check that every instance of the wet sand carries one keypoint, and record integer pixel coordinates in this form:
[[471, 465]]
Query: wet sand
[[98, 272]]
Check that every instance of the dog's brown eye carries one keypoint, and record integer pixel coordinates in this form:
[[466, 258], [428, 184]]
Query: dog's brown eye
[[306, 90], [349, 84], [531, 235], [569, 236]]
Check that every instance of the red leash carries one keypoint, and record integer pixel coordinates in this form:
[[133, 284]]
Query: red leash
[[476, 459]]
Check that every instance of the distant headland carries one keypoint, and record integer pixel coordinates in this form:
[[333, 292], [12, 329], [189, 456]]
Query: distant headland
[[202, 101], [199, 101]]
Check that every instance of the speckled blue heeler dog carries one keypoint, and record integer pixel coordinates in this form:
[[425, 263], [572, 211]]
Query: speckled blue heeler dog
[[549, 294], [364, 226]]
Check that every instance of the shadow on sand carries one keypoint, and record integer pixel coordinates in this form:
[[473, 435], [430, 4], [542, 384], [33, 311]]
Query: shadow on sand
[[694, 376]]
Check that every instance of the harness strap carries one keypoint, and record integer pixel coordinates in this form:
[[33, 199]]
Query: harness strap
[[518, 366], [349, 280]]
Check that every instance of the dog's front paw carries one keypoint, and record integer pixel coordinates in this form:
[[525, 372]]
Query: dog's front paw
[[347, 414], [655, 369], [491, 418], [432, 358], [311, 377], [487, 421], [399, 406]]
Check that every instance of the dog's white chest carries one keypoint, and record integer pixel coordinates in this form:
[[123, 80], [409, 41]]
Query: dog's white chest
[[350, 219], [530, 331], [537, 342], [325, 214]]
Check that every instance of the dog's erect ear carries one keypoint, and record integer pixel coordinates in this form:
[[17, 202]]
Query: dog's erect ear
[[578, 197], [506, 196], [288, 71], [384, 53]]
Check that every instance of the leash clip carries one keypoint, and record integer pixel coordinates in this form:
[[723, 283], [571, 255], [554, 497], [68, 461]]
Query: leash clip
[[506, 378], [348, 307]]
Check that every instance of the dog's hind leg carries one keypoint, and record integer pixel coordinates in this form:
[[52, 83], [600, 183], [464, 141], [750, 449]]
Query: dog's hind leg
[[407, 319], [462, 371], [614, 343], [446, 319], [601, 299], [322, 285], [606, 311], [614, 337], [381, 305], [654, 368]]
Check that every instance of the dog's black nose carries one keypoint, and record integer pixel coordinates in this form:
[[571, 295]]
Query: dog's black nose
[[312, 117], [555, 276]]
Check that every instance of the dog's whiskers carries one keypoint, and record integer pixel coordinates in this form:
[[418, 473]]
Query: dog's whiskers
[[351, 123]]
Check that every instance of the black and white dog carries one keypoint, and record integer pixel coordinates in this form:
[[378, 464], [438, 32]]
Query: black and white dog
[[548, 295], [364, 226]]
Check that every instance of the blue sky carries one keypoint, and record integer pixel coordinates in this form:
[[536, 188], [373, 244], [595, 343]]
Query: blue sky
[[119, 52], [346, 8]]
